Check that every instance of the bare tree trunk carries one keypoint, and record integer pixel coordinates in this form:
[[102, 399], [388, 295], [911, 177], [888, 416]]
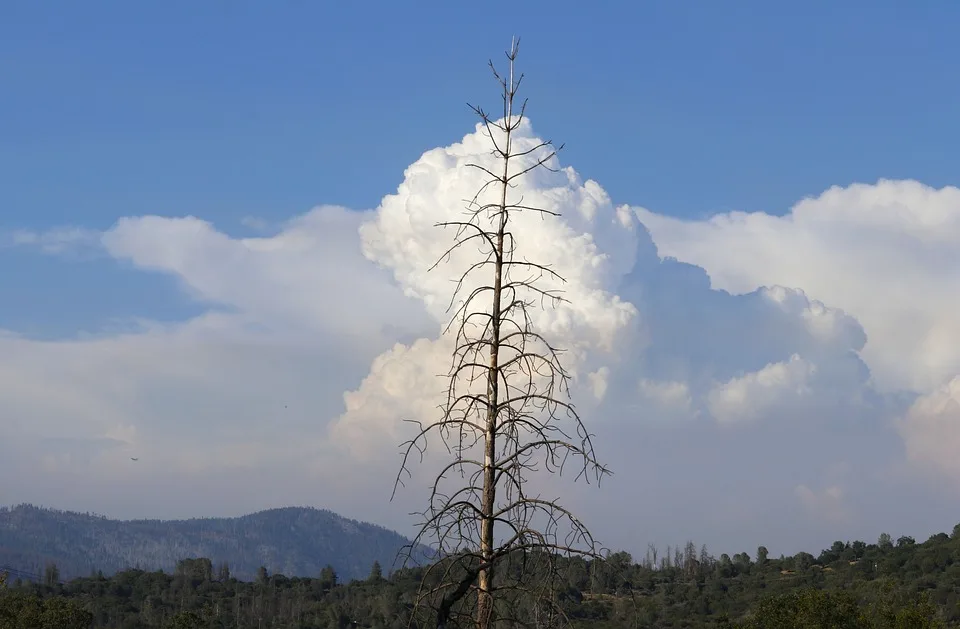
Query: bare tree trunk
[[517, 420], [485, 578]]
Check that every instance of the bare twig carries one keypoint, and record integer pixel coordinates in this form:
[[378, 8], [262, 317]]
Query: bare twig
[[507, 414]]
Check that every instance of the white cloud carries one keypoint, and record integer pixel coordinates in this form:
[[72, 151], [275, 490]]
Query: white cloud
[[689, 353], [310, 278], [931, 432], [404, 385], [403, 238], [605, 286], [598, 382], [889, 254], [756, 394], [706, 353], [319, 341], [666, 399], [177, 395], [247, 389], [590, 246]]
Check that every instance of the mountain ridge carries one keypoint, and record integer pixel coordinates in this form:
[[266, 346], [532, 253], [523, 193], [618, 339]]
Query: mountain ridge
[[295, 541]]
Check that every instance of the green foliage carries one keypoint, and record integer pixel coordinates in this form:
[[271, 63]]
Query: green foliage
[[198, 570], [24, 610], [186, 620], [762, 555], [376, 573], [863, 586], [60, 613], [840, 609], [807, 609]]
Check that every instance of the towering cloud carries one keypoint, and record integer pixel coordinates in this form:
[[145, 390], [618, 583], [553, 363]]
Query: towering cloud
[[590, 246], [320, 340]]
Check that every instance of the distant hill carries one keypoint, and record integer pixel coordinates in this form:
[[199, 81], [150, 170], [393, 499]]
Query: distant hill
[[294, 541]]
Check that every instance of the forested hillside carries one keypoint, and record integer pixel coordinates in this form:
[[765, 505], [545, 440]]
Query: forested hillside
[[889, 584], [295, 541]]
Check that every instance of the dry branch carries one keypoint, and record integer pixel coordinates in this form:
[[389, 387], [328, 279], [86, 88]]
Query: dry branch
[[506, 414]]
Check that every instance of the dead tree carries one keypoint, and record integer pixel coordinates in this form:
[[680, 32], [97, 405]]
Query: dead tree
[[507, 412]]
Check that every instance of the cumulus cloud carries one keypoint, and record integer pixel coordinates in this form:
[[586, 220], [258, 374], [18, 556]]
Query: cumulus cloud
[[309, 278], [888, 253], [240, 394], [319, 341], [657, 345], [705, 353], [931, 431], [756, 394], [589, 247], [404, 385], [612, 271]]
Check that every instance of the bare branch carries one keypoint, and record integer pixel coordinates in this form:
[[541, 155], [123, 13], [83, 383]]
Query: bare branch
[[506, 413]]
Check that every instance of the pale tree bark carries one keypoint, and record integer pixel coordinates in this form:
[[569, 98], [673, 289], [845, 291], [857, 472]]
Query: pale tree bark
[[507, 413]]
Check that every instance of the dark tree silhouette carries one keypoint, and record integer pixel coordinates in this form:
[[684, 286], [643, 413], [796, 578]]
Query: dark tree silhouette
[[507, 412]]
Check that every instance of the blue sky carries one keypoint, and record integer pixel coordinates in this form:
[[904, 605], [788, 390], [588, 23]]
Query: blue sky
[[252, 108], [234, 110]]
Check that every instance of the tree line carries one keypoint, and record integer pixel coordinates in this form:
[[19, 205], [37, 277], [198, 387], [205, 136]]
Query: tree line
[[884, 585]]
